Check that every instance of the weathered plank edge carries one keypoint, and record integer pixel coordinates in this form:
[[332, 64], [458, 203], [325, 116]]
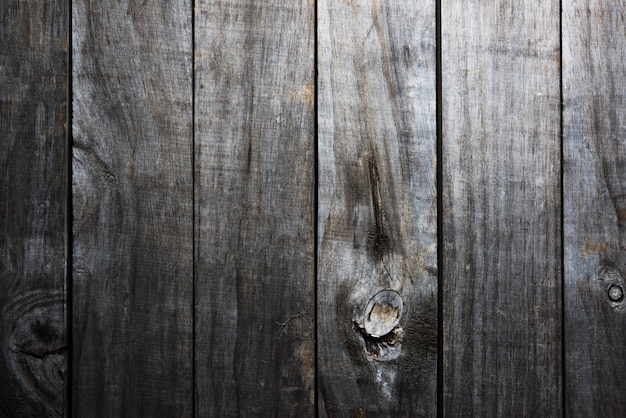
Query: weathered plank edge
[[254, 148], [366, 233], [594, 74], [132, 150], [33, 246], [493, 53]]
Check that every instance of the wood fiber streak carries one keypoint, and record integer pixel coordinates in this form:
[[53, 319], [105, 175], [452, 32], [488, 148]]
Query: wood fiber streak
[[255, 189], [594, 126], [377, 206], [133, 220], [33, 197], [501, 208]]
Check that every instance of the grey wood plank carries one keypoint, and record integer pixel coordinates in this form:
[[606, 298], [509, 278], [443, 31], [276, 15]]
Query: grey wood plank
[[255, 189], [33, 207], [501, 208], [377, 282], [133, 208], [594, 135]]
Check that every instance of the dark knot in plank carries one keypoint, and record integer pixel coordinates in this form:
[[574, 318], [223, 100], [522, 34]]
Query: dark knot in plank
[[34, 346]]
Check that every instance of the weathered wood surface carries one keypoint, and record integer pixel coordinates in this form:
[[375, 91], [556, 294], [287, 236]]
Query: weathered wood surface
[[501, 208], [594, 128], [255, 189], [377, 209], [134, 166], [33, 202], [133, 217]]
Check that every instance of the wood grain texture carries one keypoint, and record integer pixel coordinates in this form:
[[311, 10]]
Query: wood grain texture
[[133, 208], [501, 208], [255, 189], [377, 209], [594, 127], [33, 202]]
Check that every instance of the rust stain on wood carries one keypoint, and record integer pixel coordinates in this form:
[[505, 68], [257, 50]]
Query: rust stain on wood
[[591, 248], [559, 60], [308, 93]]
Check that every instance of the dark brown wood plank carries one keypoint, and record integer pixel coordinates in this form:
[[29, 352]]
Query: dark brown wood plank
[[501, 208], [133, 208], [377, 298], [255, 193], [33, 207], [594, 128]]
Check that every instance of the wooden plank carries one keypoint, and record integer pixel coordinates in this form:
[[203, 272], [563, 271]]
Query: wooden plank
[[501, 208], [133, 208], [594, 127], [377, 282], [33, 207], [255, 191]]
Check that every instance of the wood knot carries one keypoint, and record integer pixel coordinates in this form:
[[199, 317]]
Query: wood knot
[[612, 281], [380, 325], [383, 313], [33, 333], [616, 293]]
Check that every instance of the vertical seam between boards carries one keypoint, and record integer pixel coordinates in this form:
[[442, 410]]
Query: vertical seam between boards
[[193, 210], [562, 213], [439, 191], [69, 240], [316, 208]]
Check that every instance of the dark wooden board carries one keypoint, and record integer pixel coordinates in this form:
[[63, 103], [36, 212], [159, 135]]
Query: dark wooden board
[[377, 281], [594, 138], [133, 208], [501, 208], [33, 207], [255, 189]]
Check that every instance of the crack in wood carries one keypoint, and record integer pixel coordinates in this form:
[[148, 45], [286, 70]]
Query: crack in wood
[[40, 356], [378, 239], [384, 348], [106, 173]]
